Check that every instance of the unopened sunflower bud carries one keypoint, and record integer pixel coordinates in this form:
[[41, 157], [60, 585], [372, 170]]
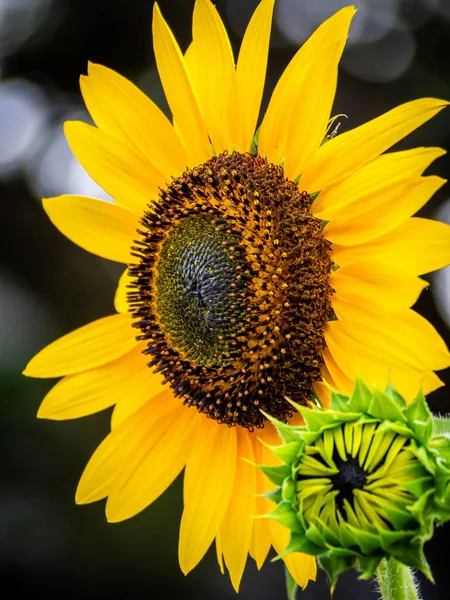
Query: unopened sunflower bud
[[362, 481]]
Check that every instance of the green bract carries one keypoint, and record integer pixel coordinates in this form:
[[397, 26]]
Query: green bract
[[362, 481]]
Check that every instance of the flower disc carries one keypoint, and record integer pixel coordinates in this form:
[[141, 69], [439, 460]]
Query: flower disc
[[231, 290]]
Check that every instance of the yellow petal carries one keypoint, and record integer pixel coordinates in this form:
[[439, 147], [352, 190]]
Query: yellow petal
[[312, 109], [409, 383], [377, 283], [340, 379], [214, 87], [364, 189], [94, 390], [277, 121], [208, 485], [355, 358], [98, 477], [123, 287], [374, 355], [90, 346], [131, 180], [237, 524], [407, 326], [261, 535], [347, 152], [178, 91], [323, 393], [97, 226], [301, 566], [393, 209], [251, 74], [122, 110], [418, 245], [153, 459]]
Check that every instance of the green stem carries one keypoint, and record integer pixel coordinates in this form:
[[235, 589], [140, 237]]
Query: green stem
[[396, 581]]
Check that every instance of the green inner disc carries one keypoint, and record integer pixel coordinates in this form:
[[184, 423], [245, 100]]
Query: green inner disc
[[198, 268]]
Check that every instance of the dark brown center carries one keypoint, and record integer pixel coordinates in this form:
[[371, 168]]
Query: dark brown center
[[231, 289]]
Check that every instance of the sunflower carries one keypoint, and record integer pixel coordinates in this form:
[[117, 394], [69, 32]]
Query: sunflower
[[260, 267]]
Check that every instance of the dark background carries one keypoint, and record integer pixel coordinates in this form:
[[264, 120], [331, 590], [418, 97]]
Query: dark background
[[398, 50]]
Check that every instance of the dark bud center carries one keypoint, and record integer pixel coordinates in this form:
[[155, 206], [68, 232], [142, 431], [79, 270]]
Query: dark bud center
[[351, 477]]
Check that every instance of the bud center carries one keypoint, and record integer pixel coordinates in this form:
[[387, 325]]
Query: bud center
[[350, 477]]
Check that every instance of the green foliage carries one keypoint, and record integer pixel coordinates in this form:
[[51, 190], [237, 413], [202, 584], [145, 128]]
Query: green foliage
[[362, 482]]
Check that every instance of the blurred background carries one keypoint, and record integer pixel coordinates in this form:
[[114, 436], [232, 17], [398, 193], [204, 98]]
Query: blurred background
[[398, 50]]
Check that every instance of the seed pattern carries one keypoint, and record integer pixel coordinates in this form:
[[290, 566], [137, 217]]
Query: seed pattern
[[230, 289]]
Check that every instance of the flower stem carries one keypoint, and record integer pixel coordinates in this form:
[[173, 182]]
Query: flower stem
[[396, 581]]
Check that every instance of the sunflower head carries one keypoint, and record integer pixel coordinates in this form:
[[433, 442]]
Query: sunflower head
[[230, 291], [364, 481]]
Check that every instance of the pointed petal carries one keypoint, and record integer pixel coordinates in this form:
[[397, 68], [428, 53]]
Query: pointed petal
[[208, 485], [407, 326], [251, 74], [212, 53], [374, 356], [342, 383], [98, 227], [409, 383], [301, 566], [178, 91], [394, 209], [131, 180], [377, 283], [365, 188], [119, 108], [99, 475], [277, 121], [237, 524], [419, 245], [94, 344], [153, 460], [130, 404], [120, 298], [311, 113], [347, 152], [94, 390]]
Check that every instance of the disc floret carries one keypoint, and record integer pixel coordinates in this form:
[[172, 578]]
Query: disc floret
[[363, 481]]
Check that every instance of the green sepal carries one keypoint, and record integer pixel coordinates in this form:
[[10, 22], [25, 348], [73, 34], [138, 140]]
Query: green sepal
[[396, 427], [392, 392], [419, 419], [288, 490], [389, 538], [289, 452], [298, 542], [361, 397], [273, 495], [276, 474], [317, 420], [338, 401], [368, 542], [385, 408], [334, 565], [285, 514], [412, 556], [368, 565], [288, 433]]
